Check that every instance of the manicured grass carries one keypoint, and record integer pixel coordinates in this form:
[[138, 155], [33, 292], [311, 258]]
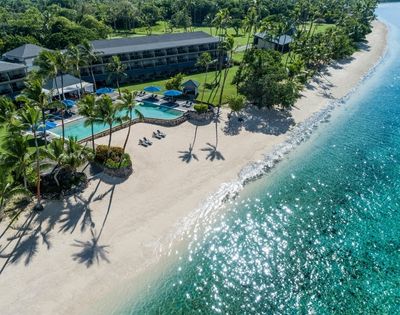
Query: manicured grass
[[228, 90], [240, 39]]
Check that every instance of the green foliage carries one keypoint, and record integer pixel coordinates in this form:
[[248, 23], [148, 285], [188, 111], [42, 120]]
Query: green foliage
[[264, 80], [236, 102], [175, 82], [120, 162], [115, 159], [201, 108]]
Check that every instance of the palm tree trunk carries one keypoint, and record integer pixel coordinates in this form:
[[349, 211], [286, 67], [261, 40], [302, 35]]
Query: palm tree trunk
[[204, 87], [81, 84], [109, 141], [248, 39], [62, 124], [62, 86], [37, 169], [93, 79], [44, 127], [119, 90], [56, 84], [92, 138], [129, 130]]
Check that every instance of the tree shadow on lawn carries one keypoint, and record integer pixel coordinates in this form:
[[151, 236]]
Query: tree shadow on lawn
[[265, 121]]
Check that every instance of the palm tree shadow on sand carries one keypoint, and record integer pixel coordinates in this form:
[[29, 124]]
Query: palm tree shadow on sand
[[91, 252], [213, 153], [188, 155]]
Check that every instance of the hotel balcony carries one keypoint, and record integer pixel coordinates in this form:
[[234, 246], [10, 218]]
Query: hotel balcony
[[4, 78]]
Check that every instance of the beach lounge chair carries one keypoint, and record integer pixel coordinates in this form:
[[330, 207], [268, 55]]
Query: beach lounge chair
[[147, 141], [142, 143], [161, 134], [156, 135]]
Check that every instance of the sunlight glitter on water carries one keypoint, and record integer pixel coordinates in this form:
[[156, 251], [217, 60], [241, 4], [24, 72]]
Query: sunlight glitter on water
[[318, 235]]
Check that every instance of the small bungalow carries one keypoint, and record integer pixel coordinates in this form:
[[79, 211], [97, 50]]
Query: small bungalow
[[190, 88], [265, 41], [73, 87]]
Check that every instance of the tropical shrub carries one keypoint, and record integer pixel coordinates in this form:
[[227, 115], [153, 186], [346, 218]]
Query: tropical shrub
[[116, 158], [175, 82], [201, 108], [101, 155], [121, 162]]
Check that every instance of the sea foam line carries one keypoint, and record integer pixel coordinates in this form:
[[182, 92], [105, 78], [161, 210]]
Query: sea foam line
[[300, 133]]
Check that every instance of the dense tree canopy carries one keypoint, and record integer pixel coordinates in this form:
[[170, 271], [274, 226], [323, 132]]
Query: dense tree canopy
[[59, 23]]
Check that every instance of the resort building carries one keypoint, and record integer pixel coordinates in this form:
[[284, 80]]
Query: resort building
[[280, 43], [12, 77], [24, 54], [73, 87], [190, 88], [151, 57]]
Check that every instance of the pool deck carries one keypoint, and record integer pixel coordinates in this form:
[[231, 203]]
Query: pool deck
[[181, 105]]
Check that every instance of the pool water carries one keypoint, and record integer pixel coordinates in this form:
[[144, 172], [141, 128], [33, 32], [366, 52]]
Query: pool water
[[78, 129]]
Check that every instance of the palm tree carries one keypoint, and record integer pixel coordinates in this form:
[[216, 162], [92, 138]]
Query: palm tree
[[55, 152], [69, 156], [7, 109], [222, 20], [89, 57], [106, 113], [128, 103], [76, 61], [75, 155], [227, 47], [117, 70], [87, 109], [8, 189], [34, 95], [63, 66], [204, 62], [250, 24], [30, 117], [17, 157], [48, 66]]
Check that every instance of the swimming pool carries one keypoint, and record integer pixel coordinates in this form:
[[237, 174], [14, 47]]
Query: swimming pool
[[78, 129]]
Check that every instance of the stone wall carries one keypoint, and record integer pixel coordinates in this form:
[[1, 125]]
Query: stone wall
[[154, 121]]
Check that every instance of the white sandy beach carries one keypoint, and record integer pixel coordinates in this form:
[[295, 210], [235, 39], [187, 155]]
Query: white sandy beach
[[47, 265]]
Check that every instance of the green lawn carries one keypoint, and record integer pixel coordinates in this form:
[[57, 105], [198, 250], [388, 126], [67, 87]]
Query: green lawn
[[229, 88], [240, 39]]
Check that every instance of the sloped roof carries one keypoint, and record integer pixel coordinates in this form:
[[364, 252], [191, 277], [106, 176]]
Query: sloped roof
[[280, 40], [193, 82], [153, 42], [68, 81], [25, 51], [8, 66]]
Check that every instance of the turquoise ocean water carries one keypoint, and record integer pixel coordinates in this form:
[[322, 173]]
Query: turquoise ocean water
[[319, 234]]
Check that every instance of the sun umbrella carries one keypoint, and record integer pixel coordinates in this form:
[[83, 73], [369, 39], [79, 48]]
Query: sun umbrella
[[49, 125], [152, 89], [172, 93], [69, 103], [104, 90]]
